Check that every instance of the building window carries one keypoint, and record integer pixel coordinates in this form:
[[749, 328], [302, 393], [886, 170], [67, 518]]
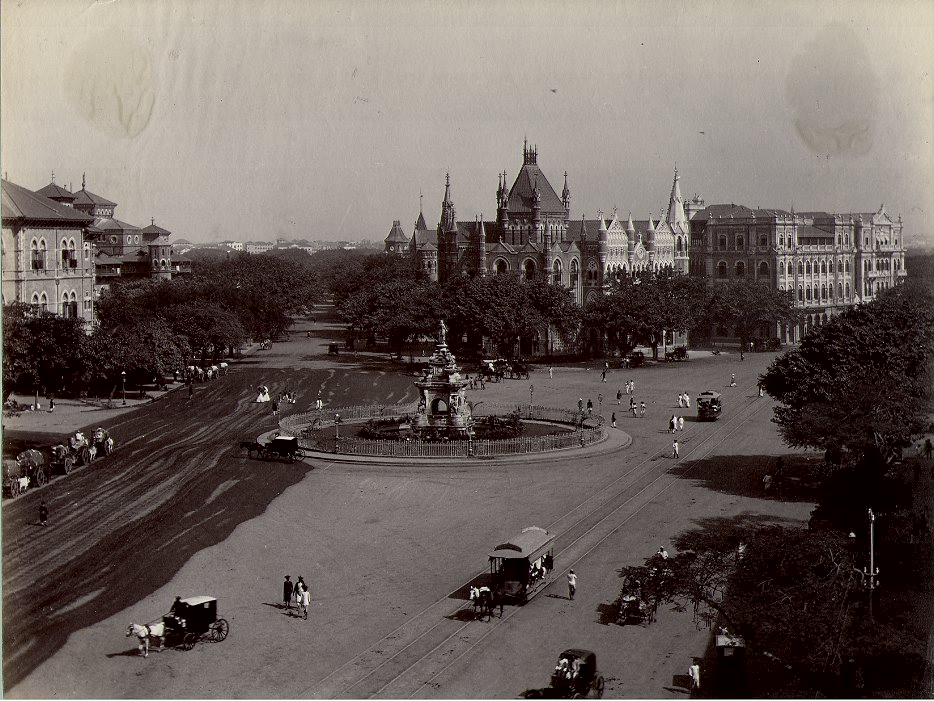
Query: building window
[[807, 293], [823, 291], [763, 240], [529, 270], [781, 240], [501, 266], [575, 274], [556, 273], [721, 268], [800, 268], [781, 267], [763, 269], [846, 265], [722, 242], [740, 269], [823, 268], [807, 267]]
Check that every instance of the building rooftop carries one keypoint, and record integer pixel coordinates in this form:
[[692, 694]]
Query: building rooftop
[[18, 203]]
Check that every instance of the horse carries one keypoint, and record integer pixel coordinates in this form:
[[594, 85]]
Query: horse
[[251, 447], [483, 604], [144, 633]]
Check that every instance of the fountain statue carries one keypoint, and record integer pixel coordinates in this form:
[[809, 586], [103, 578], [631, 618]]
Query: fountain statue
[[442, 408]]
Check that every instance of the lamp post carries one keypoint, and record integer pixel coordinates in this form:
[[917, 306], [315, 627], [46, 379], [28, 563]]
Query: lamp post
[[871, 576], [337, 430], [123, 385], [531, 394], [600, 403]]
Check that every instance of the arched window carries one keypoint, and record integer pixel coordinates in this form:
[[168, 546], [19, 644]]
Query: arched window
[[840, 290], [556, 273], [781, 240], [679, 244], [823, 268], [65, 307], [807, 267], [35, 301], [722, 242], [781, 267], [807, 293], [35, 263], [529, 270], [740, 268], [763, 269], [800, 293], [155, 264], [575, 274], [164, 263], [740, 242], [501, 266], [847, 291], [846, 265], [823, 291], [721, 268], [830, 291], [800, 268]]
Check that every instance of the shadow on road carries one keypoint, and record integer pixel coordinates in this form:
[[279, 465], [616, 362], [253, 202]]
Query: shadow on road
[[742, 475]]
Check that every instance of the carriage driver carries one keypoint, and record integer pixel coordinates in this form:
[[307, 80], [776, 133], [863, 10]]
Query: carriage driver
[[174, 613]]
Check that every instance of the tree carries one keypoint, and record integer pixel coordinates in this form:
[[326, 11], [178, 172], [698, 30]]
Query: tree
[[42, 352], [794, 596], [860, 386], [671, 304], [746, 307]]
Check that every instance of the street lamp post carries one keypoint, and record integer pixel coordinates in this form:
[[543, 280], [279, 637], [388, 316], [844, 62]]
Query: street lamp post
[[871, 576], [337, 430], [123, 385], [600, 403], [531, 394]]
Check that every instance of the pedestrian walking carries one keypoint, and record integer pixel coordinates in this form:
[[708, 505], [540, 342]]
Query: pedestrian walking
[[680, 423], [191, 390], [632, 386], [674, 449], [275, 407], [760, 390], [680, 401], [551, 373], [628, 387], [766, 483], [302, 597], [287, 589], [732, 379], [694, 674], [43, 514], [619, 396], [603, 375], [580, 404], [613, 420], [928, 448], [672, 424], [572, 584], [687, 400], [589, 406], [632, 406], [642, 410]]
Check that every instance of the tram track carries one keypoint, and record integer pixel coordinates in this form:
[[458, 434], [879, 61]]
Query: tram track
[[397, 666]]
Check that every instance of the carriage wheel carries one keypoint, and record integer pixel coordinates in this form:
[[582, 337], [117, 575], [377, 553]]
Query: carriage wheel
[[108, 447], [84, 456], [290, 457], [15, 490], [67, 464], [219, 630], [300, 454], [41, 477], [598, 686], [188, 642]]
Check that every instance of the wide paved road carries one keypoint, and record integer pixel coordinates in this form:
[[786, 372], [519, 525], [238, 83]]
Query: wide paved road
[[387, 550]]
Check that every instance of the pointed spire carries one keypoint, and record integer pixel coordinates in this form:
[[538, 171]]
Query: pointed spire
[[566, 193], [676, 217], [630, 227], [84, 182]]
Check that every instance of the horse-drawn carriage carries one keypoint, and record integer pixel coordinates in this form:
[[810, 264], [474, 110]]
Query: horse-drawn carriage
[[278, 447], [576, 674], [29, 469], [677, 354], [519, 370], [187, 623]]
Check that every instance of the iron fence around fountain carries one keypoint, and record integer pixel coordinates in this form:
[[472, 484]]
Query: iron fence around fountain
[[587, 430]]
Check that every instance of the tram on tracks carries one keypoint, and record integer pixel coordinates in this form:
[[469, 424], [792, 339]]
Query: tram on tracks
[[523, 565]]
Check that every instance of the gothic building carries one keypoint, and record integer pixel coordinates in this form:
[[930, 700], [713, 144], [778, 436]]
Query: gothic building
[[534, 234]]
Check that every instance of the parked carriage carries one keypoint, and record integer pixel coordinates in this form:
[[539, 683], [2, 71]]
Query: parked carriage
[[28, 470], [519, 371], [522, 566], [576, 674], [193, 620], [677, 354], [279, 447]]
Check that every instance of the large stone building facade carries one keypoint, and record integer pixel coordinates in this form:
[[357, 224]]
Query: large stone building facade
[[47, 254], [827, 262]]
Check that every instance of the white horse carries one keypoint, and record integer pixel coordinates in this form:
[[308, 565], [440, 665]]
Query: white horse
[[144, 633]]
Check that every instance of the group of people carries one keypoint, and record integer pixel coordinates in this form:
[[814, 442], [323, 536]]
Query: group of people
[[675, 423], [684, 400], [296, 593], [568, 669], [475, 382]]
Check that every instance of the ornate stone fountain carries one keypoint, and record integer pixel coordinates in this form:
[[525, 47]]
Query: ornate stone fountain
[[442, 408]]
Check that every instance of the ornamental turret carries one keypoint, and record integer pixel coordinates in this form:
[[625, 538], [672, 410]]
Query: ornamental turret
[[481, 247], [603, 243], [566, 197], [630, 241]]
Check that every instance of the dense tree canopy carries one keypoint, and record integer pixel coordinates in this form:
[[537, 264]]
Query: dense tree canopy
[[747, 307], [860, 386]]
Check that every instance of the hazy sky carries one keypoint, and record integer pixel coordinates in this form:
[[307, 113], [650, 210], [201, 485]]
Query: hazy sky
[[252, 120]]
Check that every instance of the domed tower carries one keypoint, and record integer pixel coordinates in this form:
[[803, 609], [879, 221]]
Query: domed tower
[[160, 251], [396, 242]]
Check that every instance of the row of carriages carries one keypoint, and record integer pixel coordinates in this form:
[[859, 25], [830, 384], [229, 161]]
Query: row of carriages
[[34, 468]]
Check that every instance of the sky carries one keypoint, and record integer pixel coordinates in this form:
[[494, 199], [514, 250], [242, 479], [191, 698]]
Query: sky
[[253, 120]]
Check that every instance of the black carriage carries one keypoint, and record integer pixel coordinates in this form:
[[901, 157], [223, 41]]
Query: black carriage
[[193, 620], [520, 370], [283, 448], [636, 359], [677, 354], [522, 566], [576, 674]]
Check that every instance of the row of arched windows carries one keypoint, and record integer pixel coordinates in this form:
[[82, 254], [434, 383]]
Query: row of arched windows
[[822, 293], [69, 308], [38, 251], [739, 269]]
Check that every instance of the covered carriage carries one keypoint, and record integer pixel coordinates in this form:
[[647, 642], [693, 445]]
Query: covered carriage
[[192, 620], [576, 674], [29, 469]]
